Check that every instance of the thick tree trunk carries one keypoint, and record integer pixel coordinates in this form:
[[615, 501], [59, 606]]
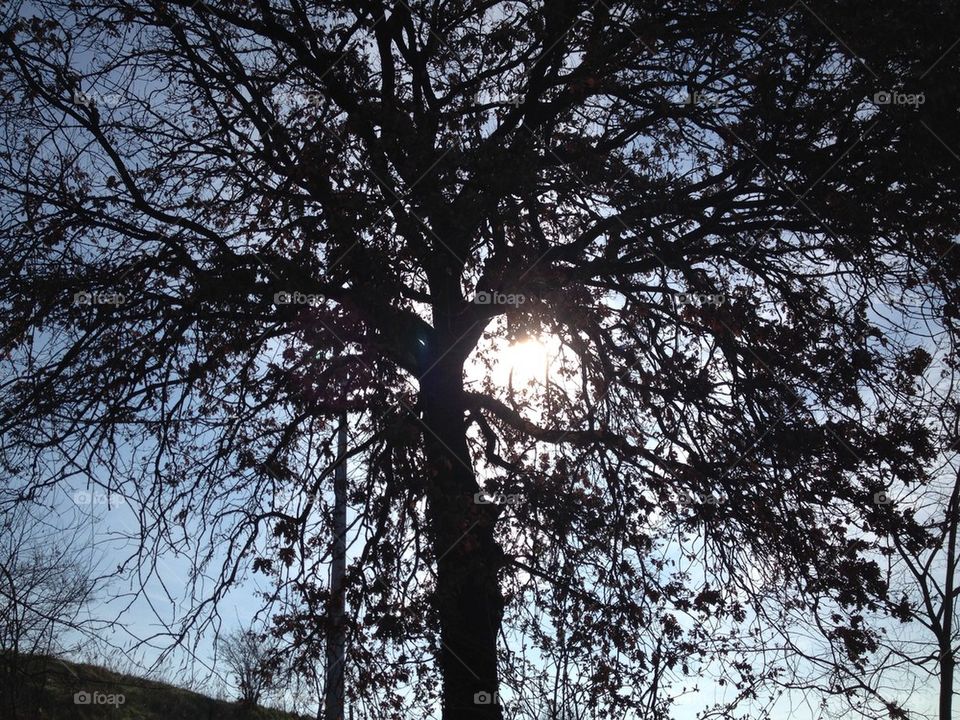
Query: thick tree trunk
[[946, 684], [468, 594]]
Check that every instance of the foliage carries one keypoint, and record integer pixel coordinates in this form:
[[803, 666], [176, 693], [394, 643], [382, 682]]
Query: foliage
[[224, 223]]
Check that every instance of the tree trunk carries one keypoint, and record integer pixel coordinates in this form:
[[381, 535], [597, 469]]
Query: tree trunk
[[333, 692], [946, 683], [468, 596]]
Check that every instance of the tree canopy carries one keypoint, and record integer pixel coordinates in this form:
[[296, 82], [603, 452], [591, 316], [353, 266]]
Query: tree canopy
[[225, 223]]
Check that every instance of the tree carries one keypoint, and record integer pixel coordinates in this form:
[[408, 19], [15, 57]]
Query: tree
[[926, 562], [254, 217], [44, 586], [248, 657], [902, 659], [933, 602]]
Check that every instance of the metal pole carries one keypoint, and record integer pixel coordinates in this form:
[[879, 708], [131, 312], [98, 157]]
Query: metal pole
[[336, 634]]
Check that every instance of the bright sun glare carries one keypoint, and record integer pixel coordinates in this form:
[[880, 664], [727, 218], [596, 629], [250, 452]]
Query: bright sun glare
[[526, 360]]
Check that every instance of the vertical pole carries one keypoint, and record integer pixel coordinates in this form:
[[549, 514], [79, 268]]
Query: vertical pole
[[336, 634], [947, 659]]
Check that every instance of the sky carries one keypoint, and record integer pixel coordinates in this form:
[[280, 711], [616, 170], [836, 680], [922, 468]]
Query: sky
[[105, 521]]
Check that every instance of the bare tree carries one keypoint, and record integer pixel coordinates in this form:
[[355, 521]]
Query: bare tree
[[883, 660], [45, 583], [249, 658], [926, 563], [934, 600]]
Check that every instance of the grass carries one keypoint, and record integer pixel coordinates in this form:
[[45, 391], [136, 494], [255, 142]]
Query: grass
[[53, 698]]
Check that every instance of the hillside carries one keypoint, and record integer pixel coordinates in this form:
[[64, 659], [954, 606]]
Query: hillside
[[74, 691]]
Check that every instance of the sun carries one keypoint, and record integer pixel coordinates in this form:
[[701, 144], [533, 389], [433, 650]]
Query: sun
[[523, 363], [526, 366]]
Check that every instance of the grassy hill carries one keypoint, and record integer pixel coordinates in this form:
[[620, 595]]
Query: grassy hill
[[53, 698]]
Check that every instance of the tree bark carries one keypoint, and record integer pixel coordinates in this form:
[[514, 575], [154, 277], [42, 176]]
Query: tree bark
[[468, 596], [946, 683]]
